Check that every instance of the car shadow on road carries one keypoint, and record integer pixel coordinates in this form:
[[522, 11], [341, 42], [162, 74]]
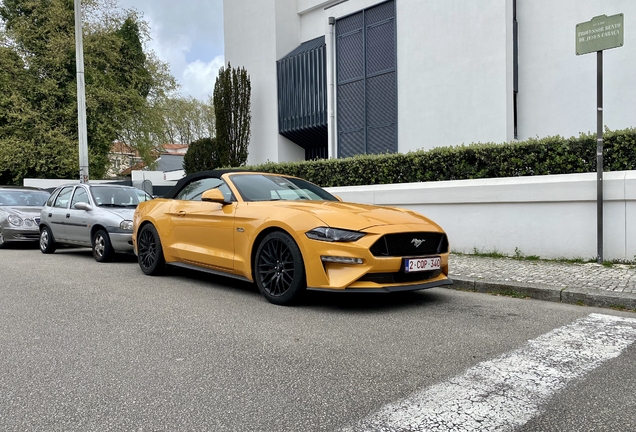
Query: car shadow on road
[[369, 302], [88, 254], [335, 301]]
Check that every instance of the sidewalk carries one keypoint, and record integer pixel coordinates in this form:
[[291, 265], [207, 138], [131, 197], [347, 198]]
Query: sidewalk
[[583, 284]]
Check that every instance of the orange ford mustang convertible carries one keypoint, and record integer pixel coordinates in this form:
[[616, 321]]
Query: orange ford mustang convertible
[[287, 235]]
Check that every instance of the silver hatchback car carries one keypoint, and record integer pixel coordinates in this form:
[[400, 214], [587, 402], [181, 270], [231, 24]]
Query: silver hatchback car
[[98, 216]]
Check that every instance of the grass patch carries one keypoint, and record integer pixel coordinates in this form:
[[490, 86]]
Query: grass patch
[[509, 293], [518, 255], [622, 308]]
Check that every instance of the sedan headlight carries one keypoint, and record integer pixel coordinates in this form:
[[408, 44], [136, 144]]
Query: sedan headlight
[[126, 225], [15, 220], [334, 234]]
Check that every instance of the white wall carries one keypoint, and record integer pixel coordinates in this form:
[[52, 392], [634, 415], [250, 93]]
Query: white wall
[[557, 88], [453, 68], [550, 216]]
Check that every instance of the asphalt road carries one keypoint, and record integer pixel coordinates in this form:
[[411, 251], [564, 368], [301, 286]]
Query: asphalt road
[[102, 347]]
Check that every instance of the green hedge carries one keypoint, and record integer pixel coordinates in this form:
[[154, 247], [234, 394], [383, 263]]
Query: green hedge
[[552, 155]]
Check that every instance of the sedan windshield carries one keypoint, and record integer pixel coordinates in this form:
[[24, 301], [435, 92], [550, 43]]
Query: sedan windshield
[[109, 196], [23, 198], [262, 187]]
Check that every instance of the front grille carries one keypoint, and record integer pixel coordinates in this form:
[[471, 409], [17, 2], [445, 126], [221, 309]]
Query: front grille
[[399, 277], [410, 244]]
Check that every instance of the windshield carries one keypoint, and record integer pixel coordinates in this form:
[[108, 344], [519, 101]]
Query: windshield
[[125, 197], [262, 187], [23, 198]]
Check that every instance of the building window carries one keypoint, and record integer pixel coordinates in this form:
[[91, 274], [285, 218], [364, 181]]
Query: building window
[[367, 81]]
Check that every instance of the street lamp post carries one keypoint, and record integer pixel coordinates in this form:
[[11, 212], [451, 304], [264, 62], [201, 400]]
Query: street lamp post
[[81, 95]]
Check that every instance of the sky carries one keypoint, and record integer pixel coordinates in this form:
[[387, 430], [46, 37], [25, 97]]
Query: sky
[[188, 35]]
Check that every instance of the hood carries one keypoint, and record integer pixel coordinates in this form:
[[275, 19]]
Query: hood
[[25, 212], [359, 216], [124, 213]]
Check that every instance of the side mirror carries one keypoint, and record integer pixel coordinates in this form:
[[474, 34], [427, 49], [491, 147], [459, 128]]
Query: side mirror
[[213, 195], [82, 206]]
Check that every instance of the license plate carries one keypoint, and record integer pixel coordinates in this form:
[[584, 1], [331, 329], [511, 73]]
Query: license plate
[[422, 264]]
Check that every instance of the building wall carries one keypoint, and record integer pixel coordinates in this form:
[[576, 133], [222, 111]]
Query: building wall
[[455, 68], [557, 88], [549, 216]]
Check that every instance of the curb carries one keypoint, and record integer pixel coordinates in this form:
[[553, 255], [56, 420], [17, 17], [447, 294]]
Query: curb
[[577, 296]]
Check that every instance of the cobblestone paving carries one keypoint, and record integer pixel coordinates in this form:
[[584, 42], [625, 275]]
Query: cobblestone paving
[[618, 278]]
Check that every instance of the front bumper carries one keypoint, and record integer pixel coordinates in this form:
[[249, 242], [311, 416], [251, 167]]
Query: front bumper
[[121, 242], [21, 234], [390, 289], [376, 273]]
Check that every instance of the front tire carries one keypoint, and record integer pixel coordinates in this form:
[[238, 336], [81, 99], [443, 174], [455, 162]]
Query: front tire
[[149, 251], [47, 241], [2, 242], [279, 270], [102, 248]]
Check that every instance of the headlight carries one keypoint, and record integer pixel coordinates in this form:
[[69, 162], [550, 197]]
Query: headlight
[[126, 225], [334, 234], [15, 220]]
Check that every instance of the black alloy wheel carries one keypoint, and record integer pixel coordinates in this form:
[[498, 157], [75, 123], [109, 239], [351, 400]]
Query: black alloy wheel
[[47, 241], [279, 269], [149, 251]]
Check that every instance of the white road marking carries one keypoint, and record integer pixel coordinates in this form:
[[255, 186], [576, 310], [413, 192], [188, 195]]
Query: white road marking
[[504, 393]]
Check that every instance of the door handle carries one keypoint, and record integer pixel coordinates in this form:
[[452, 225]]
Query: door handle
[[68, 215], [181, 213]]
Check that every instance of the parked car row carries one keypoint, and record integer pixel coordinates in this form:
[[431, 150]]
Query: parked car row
[[282, 233]]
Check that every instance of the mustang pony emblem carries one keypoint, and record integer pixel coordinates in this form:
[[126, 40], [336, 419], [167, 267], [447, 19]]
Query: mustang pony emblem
[[417, 242]]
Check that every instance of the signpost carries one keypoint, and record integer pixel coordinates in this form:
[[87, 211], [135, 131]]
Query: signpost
[[603, 32]]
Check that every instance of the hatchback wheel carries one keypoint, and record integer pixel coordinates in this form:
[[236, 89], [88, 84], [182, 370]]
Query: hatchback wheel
[[2, 242], [149, 251], [47, 242], [102, 248], [279, 269]]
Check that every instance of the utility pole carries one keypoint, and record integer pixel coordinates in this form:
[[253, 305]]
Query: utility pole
[[81, 95]]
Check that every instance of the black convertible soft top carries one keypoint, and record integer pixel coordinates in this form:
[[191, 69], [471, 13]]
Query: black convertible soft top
[[217, 173]]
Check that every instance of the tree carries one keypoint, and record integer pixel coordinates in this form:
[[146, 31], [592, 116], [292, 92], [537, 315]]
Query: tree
[[38, 90], [232, 92], [201, 156], [185, 119]]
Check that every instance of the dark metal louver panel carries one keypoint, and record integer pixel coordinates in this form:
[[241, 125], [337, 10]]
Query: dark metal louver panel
[[367, 81], [380, 48], [351, 143], [302, 96], [383, 11], [351, 106], [381, 139], [351, 57], [381, 96]]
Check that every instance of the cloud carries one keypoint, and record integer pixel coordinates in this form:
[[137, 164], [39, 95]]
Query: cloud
[[189, 36], [199, 77]]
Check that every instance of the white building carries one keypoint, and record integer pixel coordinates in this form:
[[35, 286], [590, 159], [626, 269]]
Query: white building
[[340, 77]]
